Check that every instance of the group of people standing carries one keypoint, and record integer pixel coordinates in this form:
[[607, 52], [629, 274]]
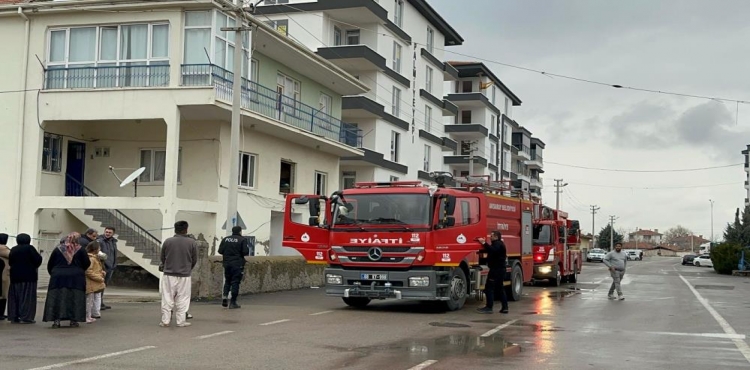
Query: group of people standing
[[80, 267]]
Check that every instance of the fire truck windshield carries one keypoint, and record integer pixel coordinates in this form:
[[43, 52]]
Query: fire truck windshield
[[386, 209], [542, 235]]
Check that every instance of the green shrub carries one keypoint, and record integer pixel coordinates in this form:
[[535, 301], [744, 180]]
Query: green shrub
[[726, 257]]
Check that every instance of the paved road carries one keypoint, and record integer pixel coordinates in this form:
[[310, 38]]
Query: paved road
[[663, 324]]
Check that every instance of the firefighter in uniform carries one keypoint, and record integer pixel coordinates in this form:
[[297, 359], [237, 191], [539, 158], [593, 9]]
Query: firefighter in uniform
[[496, 255], [233, 248]]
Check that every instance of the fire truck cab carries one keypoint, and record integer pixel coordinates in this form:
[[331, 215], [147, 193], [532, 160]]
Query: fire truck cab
[[556, 258]]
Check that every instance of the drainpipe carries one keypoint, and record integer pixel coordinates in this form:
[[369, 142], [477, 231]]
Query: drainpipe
[[22, 105]]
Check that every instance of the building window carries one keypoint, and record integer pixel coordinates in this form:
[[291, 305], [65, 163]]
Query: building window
[[506, 134], [465, 116], [349, 178], [395, 138], [398, 14], [254, 71], [430, 40], [197, 37], [467, 86], [352, 37], [507, 107], [426, 158], [248, 169], [337, 35], [493, 124], [321, 183], [286, 177], [52, 153], [291, 92], [493, 95], [428, 80], [396, 57], [155, 161], [493, 154], [281, 26], [427, 118], [466, 147], [325, 103], [200, 38], [396, 102], [394, 178], [93, 58]]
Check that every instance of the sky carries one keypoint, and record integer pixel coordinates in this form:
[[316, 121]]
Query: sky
[[686, 46]]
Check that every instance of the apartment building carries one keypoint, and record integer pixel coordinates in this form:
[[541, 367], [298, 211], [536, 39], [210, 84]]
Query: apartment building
[[524, 158], [129, 84], [395, 48], [746, 153], [482, 100]]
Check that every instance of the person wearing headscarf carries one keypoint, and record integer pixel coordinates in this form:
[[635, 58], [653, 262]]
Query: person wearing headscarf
[[24, 261], [66, 294], [4, 274]]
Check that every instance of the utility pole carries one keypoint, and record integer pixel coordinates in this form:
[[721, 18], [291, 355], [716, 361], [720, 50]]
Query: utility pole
[[712, 221], [472, 148], [558, 191], [594, 208], [612, 232], [234, 142]]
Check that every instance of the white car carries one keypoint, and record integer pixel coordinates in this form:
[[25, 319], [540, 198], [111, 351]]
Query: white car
[[703, 260], [596, 255]]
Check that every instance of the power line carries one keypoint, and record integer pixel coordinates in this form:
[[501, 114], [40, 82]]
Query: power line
[[646, 171], [659, 187], [544, 73]]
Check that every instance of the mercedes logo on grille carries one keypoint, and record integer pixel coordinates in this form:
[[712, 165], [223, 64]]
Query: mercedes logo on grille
[[375, 253]]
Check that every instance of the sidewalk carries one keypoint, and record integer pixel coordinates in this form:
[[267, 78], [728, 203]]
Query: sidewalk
[[118, 295]]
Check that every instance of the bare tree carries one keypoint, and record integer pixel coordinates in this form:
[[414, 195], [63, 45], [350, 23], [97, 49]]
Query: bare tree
[[674, 233]]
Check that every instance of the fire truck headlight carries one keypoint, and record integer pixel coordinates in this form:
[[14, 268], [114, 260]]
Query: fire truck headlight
[[545, 269], [419, 281], [332, 279]]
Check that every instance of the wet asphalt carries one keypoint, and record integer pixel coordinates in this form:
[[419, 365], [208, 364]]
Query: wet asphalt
[[660, 325]]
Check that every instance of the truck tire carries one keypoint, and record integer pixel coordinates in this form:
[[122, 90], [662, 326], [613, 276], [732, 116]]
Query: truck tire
[[558, 280], [456, 290], [357, 302], [574, 277], [513, 292]]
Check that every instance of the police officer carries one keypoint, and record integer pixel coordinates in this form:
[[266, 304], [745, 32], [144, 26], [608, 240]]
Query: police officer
[[234, 248], [496, 255]]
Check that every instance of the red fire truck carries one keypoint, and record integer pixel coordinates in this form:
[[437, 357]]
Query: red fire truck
[[555, 236], [405, 240]]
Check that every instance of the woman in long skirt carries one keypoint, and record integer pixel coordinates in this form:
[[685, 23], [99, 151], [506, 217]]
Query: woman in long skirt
[[24, 261], [66, 296]]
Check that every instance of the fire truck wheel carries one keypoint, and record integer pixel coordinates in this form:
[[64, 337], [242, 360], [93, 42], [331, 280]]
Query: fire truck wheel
[[514, 290], [358, 302], [457, 293], [558, 280], [574, 277]]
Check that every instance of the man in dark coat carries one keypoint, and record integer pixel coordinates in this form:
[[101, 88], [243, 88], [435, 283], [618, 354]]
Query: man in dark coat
[[88, 237], [233, 248], [24, 261], [496, 256], [109, 247]]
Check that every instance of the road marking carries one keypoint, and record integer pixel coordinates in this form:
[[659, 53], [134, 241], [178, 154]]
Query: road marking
[[740, 343], [497, 329], [423, 365], [707, 335], [89, 359], [320, 313], [214, 334], [274, 322]]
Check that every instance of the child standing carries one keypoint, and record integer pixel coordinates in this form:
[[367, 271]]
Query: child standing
[[94, 283]]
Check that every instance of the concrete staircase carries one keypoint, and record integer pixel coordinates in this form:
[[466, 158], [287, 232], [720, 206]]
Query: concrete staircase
[[135, 242]]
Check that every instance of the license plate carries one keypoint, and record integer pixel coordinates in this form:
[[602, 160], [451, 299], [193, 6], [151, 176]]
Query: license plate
[[374, 276]]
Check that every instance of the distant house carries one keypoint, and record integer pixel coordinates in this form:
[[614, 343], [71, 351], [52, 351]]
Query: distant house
[[689, 243], [645, 236]]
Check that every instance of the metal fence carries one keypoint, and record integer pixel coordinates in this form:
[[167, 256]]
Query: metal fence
[[106, 77], [270, 103]]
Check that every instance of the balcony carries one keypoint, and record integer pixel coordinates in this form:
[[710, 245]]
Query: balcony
[[106, 77], [461, 162], [523, 151], [267, 102], [467, 130], [747, 185], [535, 162], [360, 58], [535, 183], [472, 100]]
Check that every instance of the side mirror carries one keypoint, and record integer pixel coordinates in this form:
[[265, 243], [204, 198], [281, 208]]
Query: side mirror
[[450, 221], [312, 221], [315, 208], [349, 207], [450, 204], [301, 200]]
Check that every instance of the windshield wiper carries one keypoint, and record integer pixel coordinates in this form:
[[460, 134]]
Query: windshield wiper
[[381, 219]]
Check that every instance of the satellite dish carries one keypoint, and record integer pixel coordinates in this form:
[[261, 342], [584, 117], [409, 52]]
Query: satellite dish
[[133, 177]]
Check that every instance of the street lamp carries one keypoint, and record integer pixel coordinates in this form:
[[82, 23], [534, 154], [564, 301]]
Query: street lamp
[[712, 220]]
